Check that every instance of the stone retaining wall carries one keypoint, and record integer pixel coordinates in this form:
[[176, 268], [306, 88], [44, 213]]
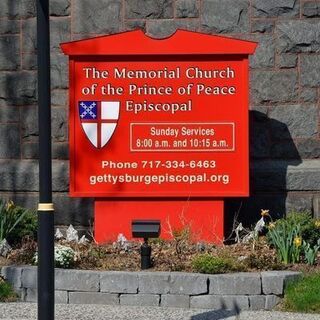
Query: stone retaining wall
[[246, 291]]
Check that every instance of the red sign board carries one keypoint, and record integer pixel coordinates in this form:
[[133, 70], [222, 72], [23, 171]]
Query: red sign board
[[152, 118]]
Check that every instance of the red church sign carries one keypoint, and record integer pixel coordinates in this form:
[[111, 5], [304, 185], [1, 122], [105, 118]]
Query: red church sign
[[159, 118]]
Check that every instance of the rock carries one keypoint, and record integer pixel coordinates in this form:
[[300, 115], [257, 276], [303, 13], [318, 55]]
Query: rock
[[98, 16], [298, 36], [309, 94], [187, 9], [10, 49], [9, 26], [276, 8], [9, 141], [287, 61], [310, 70], [265, 52], [274, 86], [59, 71], [72, 234], [311, 9], [5, 248], [60, 31], [29, 36], [60, 7], [165, 28], [149, 9], [262, 26], [225, 16]]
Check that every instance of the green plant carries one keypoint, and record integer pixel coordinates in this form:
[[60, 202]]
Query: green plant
[[310, 253], [16, 222], [6, 291], [303, 295], [206, 263], [286, 238], [309, 227]]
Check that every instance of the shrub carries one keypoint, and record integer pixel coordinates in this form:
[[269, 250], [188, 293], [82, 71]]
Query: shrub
[[303, 295], [206, 263], [16, 222], [6, 292]]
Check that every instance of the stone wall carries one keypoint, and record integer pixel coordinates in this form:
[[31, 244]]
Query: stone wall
[[238, 291], [285, 80]]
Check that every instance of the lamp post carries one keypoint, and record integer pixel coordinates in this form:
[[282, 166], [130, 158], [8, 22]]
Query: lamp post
[[45, 208]]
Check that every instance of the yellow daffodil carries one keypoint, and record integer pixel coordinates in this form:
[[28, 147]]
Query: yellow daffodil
[[317, 223], [9, 205], [271, 225], [264, 213], [297, 241]]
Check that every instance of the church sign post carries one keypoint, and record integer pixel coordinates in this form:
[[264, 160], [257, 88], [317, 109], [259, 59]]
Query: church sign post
[[159, 129]]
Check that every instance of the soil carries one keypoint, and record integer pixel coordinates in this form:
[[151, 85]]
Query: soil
[[175, 255]]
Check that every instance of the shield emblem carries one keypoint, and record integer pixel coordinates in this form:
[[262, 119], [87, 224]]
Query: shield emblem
[[99, 120]]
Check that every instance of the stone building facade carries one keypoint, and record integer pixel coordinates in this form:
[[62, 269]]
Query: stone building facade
[[284, 90]]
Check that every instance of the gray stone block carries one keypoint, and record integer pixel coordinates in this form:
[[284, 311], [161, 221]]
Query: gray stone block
[[10, 141], [29, 61], [225, 16], [175, 301], [18, 9], [98, 16], [149, 9], [293, 121], [137, 300], [9, 26], [233, 284], [80, 210], [165, 28], [274, 86], [77, 280], [18, 175], [60, 297], [287, 61], [59, 124], [298, 36], [309, 94], [93, 298], [272, 301], [29, 36], [273, 281], [60, 151], [10, 49], [257, 302], [12, 275], [281, 175], [308, 148], [191, 284], [119, 282], [29, 123], [310, 69], [187, 8], [59, 71], [220, 302], [9, 114], [30, 150], [311, 9], [264, 54], [157, 283], [135, 24], [262, 26], [59, 97], [29, 277], [276, 8], [18, 88], [60, 31], [60, 7]]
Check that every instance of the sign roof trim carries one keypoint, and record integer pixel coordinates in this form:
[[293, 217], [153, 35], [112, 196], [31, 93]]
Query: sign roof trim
[[138, 43]]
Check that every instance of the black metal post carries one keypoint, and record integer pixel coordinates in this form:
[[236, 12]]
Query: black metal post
[[45, 209], [145, 252]]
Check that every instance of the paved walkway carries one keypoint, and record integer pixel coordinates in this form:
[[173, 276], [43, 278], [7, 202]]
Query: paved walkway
[[28, 311]]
